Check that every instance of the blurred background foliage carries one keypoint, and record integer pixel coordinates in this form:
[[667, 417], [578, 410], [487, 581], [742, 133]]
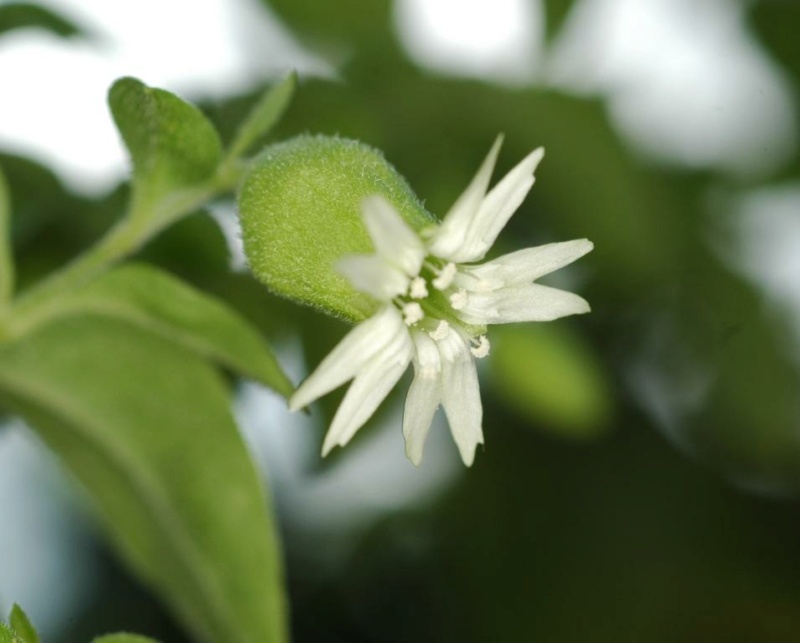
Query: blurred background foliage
[[642, 467]]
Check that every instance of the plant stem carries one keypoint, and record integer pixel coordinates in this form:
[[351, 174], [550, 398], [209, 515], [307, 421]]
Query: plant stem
[[6, 260], [139, 226]]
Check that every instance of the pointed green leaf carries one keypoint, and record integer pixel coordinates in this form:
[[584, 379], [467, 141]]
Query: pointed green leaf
[[158, 302], [21, 15], [146, 427], [22, 625], [556, 14], [263, 117], [172, 145], [6, 259], [124, 638]]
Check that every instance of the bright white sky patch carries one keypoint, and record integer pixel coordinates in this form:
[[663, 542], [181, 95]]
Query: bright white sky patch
[[54, 90], [493, 39], [767, 246], [685, 80]]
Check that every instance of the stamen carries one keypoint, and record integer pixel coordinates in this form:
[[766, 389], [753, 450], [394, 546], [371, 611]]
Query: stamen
[[445, 277], [458, 299], [441, 331], [418, 289], [482, 347], [412, 313]]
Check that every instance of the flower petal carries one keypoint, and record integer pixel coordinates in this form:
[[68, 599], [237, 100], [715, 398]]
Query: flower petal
[[372, 275], [461, 395], [394, 239], [451, 234], [525, 266], [533, 302], [497, 208], [368, 390], [358, 347], [423, 397]]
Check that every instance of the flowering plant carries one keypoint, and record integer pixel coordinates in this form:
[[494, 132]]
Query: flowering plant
[[435, 306]]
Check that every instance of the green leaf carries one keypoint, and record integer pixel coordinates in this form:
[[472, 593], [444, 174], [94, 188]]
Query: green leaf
[[552, 377], [146, 427], [155, 301], [7, 635], [300, 210], [172, 145], [21, 15], [6, 258], [123, 638], [22, 625], [264, 115]]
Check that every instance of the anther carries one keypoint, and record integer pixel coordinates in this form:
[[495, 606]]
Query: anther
[[441, 331], [418, 289], [412, 313], [458, 299], [482, 348], [445, 277]]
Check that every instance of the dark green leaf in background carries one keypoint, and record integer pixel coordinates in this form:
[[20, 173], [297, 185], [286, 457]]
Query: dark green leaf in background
[[551, 376], [123, 638], [353, 21], [22, 625], [172, 145], [556, 14], [6, 259], [146, 427], [21, 15]]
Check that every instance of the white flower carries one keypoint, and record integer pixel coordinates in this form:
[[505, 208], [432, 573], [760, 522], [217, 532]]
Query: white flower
[[436, 305]]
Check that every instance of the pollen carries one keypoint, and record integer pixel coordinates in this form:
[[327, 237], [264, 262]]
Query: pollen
[[412, 313], [418, 289], [481, 349], [458, 299], [441, 331]]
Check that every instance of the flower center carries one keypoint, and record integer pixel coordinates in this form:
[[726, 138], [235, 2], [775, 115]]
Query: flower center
[[431, 304]]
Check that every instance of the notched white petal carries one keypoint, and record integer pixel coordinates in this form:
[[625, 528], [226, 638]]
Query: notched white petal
[[525, 266], [394, 239], [423, 397], [371, 275], [370, 387], [497, 208], [461, 397], [532, 302], [343, 363], [451, 234]]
